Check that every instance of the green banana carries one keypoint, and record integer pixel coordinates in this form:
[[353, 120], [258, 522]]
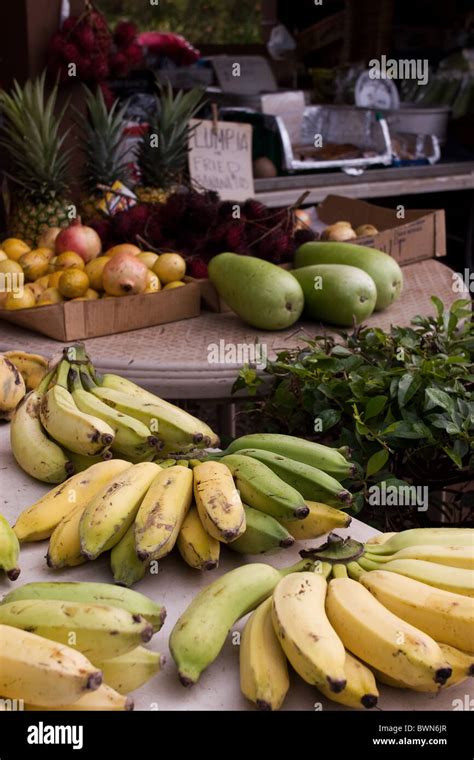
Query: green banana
[[262, 489], [92, 593], [97, 631], [310, 482], [178, 429], [127, 569], [66, 424], [133, 440], [9, 550], [425, 537], [324, 458], [201, 631], [109, 514], [263, 533]]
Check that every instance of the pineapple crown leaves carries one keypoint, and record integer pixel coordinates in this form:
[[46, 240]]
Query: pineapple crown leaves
[[102, 142], [31, 136], [162, 163]]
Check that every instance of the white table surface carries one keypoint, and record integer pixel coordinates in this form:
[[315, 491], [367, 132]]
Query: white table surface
[[175, 586]]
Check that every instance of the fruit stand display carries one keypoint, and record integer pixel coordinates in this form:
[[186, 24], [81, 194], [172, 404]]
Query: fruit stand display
[[148, 558]]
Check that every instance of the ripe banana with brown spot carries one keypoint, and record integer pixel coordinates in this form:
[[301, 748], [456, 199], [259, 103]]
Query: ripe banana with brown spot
[[218, 502]]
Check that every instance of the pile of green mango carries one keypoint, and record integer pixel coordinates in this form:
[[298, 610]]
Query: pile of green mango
[[337, 283]]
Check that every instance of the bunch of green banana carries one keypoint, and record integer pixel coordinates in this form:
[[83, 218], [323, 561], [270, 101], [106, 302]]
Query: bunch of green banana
[[329, 460], [200, 633], [9, 550]]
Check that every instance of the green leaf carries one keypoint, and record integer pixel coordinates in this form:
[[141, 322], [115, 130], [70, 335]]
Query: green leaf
[[376, 462], [329, 418], [407, 387], [453, 455], [439, 305], [436, 397], [374, 406]]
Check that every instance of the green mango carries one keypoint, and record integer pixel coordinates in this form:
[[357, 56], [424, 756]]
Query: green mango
[[262, 294], [383, 269], [337, 294]]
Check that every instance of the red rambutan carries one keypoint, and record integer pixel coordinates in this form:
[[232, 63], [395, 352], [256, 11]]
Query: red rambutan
[[254, 209], [304, 235], [69, 24], [125, 33], [197, 268], [119, 66], [84, 37], [134, 55]]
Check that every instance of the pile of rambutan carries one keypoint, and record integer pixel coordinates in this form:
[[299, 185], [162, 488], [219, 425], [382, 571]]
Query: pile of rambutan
[[97, 53], [199, 226]]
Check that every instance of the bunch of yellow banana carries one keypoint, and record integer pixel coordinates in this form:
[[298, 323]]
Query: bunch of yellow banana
[[341, 635], [76, 646], [73, 418], [141, 511]]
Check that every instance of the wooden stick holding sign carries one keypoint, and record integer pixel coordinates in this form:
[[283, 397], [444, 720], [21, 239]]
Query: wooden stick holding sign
[[220, 158]]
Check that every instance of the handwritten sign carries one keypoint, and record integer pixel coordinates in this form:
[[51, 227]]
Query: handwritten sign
[[220, 158]]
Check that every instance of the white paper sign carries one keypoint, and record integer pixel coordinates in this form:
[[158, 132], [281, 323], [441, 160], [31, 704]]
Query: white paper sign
[[221, 159]]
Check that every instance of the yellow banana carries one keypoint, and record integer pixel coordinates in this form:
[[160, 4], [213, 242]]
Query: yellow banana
[[64, 548], [43, 672], [104, 698], [37, 454], [444, 616], [381, 639], [321, 519], [426, 536], [454, 579], [9, 550], [453, 556], [379, 538], [109, 514], [361, 688], [131, 670], [305, 633], [198, 549], [32, 367], [461, 663], [263, 669], [12, 387], [38, 521], [162, 512], [218, 502]]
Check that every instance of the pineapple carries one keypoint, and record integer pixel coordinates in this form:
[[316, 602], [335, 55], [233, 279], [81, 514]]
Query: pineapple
[[162, 162], [38, 161], [103, 149]]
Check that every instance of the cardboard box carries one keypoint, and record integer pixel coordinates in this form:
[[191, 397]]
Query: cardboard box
[[78, 320], [420, 235]]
